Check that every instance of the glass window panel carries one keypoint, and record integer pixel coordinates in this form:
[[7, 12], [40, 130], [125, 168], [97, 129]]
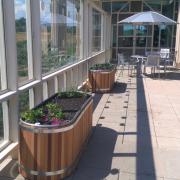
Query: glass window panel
[[123, 16], [3, 75], [175, 16], [127, 30], [141, 30], [114, 53], [166, 36], [24, 101], [60, 33], [176, 5], [152, 5], [167, 9], [174, 42], [125, 42], [106, 6], [4, 132], [114, 19], [175, 30], [96, 31], [21, 41], [140, 51], [156, 36], [136, 6], [123, 6], [140, 41], [114, 35], [1, 125], [148, 41], [126, 52]]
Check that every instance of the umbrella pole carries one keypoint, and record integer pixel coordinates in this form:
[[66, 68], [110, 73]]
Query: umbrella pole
[[152, 39], [159, 40]]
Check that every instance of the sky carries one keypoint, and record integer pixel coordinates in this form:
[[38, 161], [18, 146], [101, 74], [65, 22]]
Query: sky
[[20, 11]]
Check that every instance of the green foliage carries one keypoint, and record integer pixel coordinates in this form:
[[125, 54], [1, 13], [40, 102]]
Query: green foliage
[[54, 111], [43, 115], [71, 94], [21, 25], [22, 58], [105, 66], [24, 101], [32, 116]]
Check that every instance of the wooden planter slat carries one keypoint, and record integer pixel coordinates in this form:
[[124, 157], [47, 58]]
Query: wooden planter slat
[[54, 152], [101, 81]]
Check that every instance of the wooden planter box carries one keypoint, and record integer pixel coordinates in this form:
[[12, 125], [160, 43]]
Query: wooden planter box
[[51, 152], [101, 81]]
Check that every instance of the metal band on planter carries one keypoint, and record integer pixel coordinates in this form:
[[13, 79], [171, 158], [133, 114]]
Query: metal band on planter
[[40, 173]]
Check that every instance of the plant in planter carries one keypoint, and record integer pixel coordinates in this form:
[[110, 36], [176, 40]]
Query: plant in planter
[[101, 67], [50, 114], [53, 133], [102, 77]]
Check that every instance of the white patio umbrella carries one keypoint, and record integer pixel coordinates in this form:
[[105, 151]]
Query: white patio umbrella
[[148, 18]]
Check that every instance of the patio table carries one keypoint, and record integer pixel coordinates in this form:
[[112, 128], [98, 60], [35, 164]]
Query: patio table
[[138, 60]]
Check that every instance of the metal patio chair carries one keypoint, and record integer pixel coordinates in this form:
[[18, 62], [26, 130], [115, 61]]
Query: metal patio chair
[[121, 62], [153, 61]]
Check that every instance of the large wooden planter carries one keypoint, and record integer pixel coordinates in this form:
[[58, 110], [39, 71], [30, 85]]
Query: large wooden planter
[[52, 152], [101, 81]]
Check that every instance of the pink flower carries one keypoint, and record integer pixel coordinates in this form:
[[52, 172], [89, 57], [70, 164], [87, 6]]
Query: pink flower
[[55, 121]]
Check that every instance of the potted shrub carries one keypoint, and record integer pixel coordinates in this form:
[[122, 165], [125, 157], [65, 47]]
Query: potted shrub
[[102, 77], [52, 135]]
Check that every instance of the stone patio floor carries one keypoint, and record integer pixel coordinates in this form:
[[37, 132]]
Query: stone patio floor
[[136, 133]]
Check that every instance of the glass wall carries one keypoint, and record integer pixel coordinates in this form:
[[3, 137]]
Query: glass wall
[[60, 33], [21, 40], [39, 40], [96, 31], [1, 125], [138, 39], [3, 74]]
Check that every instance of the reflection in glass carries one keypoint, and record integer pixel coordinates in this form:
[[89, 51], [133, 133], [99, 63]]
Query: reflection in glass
[[114, 35], [1, 125], [60, 33], [140, 41], [21, 40], [128, 30], [156, 36], [126, 52], [150, 5], [24, 101], [106, 6], [141, 30], [3, 75], [168, 9], [166, 32], [125, 42], [96, 31], [136, 6], [122, 6], [114, 19]]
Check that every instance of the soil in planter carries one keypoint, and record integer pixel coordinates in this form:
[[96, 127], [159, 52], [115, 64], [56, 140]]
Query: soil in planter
[[71, 104], [69, 115]]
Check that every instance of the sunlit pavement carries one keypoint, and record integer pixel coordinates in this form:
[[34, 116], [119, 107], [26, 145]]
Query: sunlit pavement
[[136, 134], [137, 131]]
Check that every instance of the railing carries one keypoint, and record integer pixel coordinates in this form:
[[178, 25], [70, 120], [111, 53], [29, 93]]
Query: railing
[[72, 76]]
